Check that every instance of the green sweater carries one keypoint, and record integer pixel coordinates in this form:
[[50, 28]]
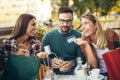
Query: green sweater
[[62, 45]]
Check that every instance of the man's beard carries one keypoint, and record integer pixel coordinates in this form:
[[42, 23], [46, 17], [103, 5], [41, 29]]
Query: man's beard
[[65, 29]]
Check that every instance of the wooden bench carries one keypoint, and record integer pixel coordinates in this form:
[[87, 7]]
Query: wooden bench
[[4, 32]]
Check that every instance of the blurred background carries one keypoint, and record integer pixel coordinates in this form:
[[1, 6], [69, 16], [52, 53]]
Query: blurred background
[[45, 11]]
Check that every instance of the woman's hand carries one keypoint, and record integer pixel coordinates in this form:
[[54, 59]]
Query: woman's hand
[[22, 49], [42, 55], [22, 52], [80, 41]]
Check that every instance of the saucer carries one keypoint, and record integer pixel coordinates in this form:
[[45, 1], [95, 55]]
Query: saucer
[[99, 78]]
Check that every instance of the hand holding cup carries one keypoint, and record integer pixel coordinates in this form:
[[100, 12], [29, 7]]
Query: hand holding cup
[[23, 50]]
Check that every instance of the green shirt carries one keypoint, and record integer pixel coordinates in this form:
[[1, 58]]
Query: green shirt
[[63, 45]]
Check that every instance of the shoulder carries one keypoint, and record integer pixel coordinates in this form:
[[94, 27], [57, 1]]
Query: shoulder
[[108, 30], [8, 40], [111, 35], [51, 33]]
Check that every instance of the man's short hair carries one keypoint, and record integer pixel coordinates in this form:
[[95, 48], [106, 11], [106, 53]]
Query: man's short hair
[[65, 10]]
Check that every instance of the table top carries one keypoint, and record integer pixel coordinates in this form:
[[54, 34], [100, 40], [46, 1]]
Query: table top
[[70, 77], [66, 77]]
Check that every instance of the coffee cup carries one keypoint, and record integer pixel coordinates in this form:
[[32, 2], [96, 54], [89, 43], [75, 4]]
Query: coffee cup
[[94, 73]]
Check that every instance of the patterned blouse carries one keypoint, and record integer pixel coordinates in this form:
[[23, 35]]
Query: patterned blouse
[[10, 46]]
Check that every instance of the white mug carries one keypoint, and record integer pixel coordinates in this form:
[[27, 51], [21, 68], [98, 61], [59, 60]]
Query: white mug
[[94, 73]]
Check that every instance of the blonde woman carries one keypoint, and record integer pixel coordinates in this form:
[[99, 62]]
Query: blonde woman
[[95, 40]]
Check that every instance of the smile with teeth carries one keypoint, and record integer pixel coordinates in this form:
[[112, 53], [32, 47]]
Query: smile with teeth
[[33, 31]]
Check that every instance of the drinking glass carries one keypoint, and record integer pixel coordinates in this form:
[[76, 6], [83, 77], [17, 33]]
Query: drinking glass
[[49, 74]]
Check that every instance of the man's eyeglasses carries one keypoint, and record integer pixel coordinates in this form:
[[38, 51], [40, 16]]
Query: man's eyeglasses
[[62, 21]]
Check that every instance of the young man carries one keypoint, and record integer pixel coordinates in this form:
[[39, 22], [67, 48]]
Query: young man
[[61, 42]]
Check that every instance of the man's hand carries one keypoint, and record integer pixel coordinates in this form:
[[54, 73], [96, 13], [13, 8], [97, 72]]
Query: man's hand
[[56, 63], [66, 66]]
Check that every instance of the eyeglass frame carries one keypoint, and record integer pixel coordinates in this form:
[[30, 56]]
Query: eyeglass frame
[[62, 21]]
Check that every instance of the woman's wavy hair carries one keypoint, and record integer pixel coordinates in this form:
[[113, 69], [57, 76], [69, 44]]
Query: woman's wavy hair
[[21, 25], [100, 38]]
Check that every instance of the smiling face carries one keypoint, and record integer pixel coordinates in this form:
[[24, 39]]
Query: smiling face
[[88, 28], [31, 29], [65, 22]]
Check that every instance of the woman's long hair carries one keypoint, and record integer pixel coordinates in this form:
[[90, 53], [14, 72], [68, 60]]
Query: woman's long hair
[[21, 25], [100, 38]]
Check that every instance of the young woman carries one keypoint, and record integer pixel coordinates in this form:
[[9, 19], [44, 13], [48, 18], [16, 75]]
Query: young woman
[[22, 41], [95, 40]]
